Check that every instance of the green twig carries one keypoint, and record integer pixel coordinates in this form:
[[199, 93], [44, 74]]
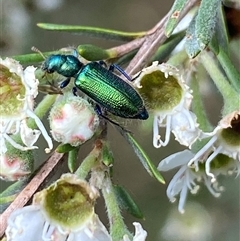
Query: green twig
[[230, 96], [117, 227]]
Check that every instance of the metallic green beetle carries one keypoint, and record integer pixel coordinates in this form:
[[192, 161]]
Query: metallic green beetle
[[108, 90]]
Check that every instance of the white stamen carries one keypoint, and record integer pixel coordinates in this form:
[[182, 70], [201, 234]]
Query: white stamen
[[208, 185], [17, 127], [19, 96], [182, 199], [9, 127], [190, 119], [217, 187], [190, 180], [47, 231], [207, 165], [156, 142], [4, 127], [195, 189], [42, 128], [168, 131], [18, 146], [201, 152]]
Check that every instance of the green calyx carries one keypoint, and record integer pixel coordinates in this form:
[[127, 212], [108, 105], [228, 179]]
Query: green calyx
[[219, 162], [12, 91], [159, 92], [231, 135], [69, 202]]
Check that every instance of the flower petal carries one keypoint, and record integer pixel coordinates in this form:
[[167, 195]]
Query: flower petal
[[28, 135], [185, 127], [175, 160]]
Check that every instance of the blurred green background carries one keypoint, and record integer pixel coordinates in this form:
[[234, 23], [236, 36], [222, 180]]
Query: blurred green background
[[206, 218]]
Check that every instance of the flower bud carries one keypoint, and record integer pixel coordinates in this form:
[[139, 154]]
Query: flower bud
[[92, 52], [15, 164], [73, 120]]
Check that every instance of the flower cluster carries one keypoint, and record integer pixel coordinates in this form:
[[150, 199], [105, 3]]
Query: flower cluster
[[72, 119], [168, 96]]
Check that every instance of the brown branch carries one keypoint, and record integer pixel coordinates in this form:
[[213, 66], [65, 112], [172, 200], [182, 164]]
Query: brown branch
[[123, 49], [27, 193], [153, 41]]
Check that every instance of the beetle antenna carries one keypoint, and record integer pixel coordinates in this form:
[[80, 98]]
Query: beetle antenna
[[38, 51]]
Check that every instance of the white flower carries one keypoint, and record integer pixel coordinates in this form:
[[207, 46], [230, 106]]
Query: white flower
[[18, 89], [64, 211], [185, 178], [165, 92], [29, 223], [225, 139]]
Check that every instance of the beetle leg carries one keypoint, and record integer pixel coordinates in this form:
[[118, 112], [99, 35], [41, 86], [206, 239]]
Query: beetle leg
[[117, 67], [65, 83], [99, 112], [74, 91]]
